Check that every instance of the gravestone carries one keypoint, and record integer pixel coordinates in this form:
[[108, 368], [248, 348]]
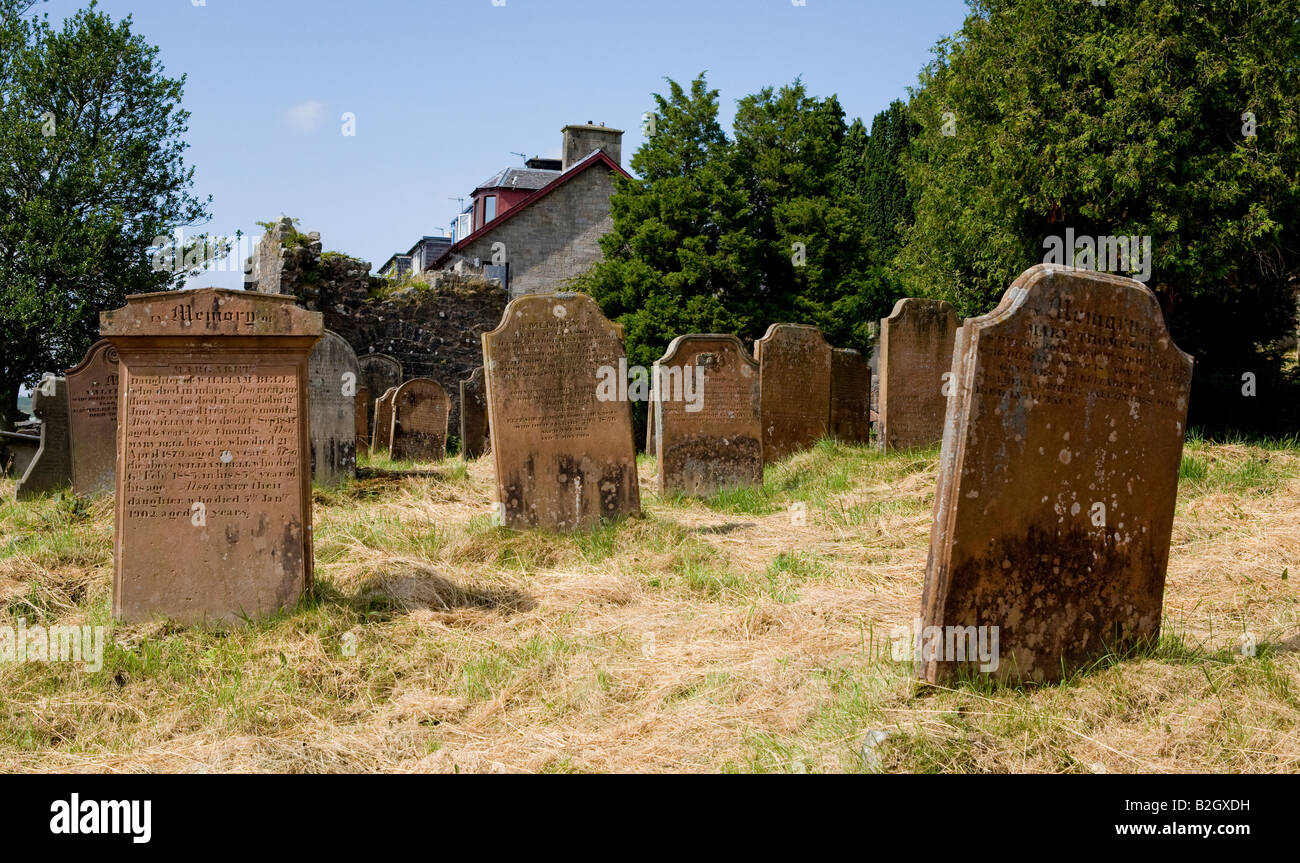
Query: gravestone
[[382, 444], [379, 373], [92, 415], [17, 450], [213, 514], [915, 352], [795, 372], [361, 423], [706, 409], [1058, 475], [850, 396], [332, 375], [563, 452], [51, 467], [474, 439], [419, 424]]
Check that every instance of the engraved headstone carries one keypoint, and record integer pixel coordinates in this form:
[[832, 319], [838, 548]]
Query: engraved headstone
[[915, 352], [332, 375], [707, 406], [361, 411], [564, 455], [380, 373], [92, 414], [213, 515], [1057, 478], [795, 372], [51, 468], [850, 396], [474, 439], [420, 412]]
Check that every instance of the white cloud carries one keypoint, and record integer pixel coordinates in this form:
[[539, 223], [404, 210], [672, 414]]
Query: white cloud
[[306, 116]]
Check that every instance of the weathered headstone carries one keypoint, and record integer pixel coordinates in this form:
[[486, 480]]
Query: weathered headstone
[[420, 412], [564, 454], [51, 469], [17, 451], [707, 408], [795, 372], [213, 516], [474, 438], [380, 373], [850, 396], [382, 444], [1058, 476], [332, 375], [361, 411], [915, 352], [92, 415]]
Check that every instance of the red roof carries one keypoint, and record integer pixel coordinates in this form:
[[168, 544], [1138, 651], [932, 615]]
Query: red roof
[[597, 157]]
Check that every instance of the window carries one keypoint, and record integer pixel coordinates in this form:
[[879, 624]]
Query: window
[[489, 208]]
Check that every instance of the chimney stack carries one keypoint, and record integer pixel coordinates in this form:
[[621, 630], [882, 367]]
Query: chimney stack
[[580, 141]]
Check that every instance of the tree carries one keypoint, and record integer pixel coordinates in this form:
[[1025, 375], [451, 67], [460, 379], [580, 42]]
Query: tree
[[1156, 118], [91, 172]]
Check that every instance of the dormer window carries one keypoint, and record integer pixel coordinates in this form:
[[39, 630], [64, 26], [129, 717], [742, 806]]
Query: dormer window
[[489, 208]]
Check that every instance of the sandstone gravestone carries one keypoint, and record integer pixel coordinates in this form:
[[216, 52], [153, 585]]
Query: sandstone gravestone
[[795, 371], [474, 439], [850, 396], [51, 468], [379, 373], [383, 429], [707, 408], [92, 415], [1058, 475], [213, 514], [915, 352], [332, 375], [564, 455], [361, 412], [419, 425]]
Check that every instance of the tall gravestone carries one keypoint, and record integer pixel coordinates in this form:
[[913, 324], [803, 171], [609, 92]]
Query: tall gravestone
[[92, 416], [916, 342], [213, 514], [795, 371], [1058, 475], [361, 421], [332, 374], [419, 425], [707, 412], [379, 373], [383, 429], [474, 439], [51, 468], [564, 457], [850, 396]]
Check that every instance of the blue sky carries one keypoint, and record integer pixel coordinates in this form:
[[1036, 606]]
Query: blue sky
[[445, 90]]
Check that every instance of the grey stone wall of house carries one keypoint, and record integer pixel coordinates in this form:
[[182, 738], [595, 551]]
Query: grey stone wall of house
[[552, 241]]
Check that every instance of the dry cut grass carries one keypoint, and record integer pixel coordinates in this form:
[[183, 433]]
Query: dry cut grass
[[716, 635]]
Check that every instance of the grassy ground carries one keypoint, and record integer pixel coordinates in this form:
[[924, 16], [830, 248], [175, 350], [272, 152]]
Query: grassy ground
[[721, 635]]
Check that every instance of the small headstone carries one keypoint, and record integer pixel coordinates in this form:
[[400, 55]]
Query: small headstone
[[383, 428], [564, 455], [213, 518], [915, 353], [707, 406], [379, 373], [474, 439], [333, 379], [795, 372], [92, 414], [17, 451], [420, 411], [1057, 478], [361, 410], [850, 396], [51, 468]]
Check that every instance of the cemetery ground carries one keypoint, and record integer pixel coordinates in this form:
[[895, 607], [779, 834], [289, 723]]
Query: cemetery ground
[[715, 635]]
